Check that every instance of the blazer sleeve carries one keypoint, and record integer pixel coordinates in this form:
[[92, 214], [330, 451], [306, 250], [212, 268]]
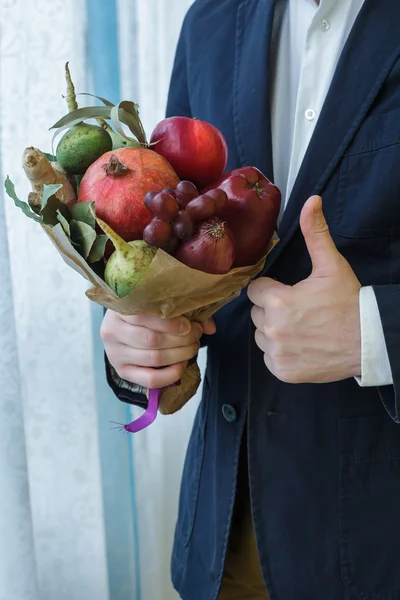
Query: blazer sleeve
[[388, 299]]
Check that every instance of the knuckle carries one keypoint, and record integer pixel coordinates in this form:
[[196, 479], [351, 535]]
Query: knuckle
[[105, 332], [275, 300], [154, 358], [272, 331], [153, 338]]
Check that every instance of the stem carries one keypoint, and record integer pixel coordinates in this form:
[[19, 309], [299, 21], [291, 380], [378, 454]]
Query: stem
[[71, 96], [104, 125], [120, 245], [115, 167], [258, 188]]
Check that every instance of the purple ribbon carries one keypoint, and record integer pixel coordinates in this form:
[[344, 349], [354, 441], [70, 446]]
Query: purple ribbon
[[148, 417]]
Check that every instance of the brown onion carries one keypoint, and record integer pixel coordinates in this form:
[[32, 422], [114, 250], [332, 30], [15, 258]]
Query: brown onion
[[210, 250]]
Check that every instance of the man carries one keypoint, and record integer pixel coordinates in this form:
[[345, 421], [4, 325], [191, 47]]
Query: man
[[291, 485]]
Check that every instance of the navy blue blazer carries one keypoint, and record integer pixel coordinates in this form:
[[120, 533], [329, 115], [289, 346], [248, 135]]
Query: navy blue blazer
[[324, 460]]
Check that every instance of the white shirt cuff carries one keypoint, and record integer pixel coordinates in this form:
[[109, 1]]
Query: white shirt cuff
[[375, 365]]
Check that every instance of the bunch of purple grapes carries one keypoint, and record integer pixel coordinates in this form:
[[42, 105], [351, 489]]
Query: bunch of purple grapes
[[178, 213]]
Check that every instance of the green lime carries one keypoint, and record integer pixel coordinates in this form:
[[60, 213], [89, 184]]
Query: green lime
[[81, 146]]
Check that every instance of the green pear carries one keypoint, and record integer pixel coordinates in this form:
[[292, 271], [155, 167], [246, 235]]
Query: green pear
[[127, 265]]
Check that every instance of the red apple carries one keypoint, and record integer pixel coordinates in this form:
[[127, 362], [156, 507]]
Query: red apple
[[251, 212], [197, 150]]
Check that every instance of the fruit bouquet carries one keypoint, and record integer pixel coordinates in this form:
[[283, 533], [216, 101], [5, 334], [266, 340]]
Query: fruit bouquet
[[156, 227]]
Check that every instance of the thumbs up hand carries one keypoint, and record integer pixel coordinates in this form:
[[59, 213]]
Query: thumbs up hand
[[310, 332]]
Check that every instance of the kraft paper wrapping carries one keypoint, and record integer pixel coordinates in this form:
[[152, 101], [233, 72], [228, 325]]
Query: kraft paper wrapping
[[168, 289]]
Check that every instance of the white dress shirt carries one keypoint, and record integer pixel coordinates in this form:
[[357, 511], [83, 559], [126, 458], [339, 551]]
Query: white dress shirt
[[309, 39]]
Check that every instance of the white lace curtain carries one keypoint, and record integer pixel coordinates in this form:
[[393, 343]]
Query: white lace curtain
[[59, 488]]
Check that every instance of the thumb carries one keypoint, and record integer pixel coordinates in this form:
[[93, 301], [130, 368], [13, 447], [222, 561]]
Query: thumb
[[323, 253], [209, 327]]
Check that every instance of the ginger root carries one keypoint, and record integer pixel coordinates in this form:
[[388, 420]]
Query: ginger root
[[40, 171]]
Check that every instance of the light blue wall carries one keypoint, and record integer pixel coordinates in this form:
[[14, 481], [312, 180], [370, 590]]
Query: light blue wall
[[115, 449]]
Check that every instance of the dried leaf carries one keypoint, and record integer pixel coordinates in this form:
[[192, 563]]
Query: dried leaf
[[24, 206], [82, 212], [84, 235], [64, 223], [98, 249]]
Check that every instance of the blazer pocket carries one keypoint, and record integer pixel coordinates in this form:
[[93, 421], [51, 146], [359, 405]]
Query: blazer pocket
[[368, 202], [192, 472], [369, 506]]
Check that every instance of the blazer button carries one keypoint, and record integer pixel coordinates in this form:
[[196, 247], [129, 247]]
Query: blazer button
[[229, 413]]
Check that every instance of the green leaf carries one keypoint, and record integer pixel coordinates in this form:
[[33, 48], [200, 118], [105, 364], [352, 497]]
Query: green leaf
[[84, 235], [82, 212], [64, 223], [124, 112], [24, 206], [127, 112], [103, 100], [50, 211], [50, 157], [76, 116], [118, 116], [98, 249], [48, 191]]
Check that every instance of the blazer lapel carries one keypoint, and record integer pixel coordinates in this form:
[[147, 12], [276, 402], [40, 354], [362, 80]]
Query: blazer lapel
[[369, 54], [251, 88]]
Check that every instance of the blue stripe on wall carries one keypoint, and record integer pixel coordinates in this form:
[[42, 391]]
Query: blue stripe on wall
[[116, 450]]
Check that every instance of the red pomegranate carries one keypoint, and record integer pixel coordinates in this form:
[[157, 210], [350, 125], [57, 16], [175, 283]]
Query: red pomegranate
[[117, 183]]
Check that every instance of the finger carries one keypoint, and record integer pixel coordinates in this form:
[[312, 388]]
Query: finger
[[175, 326], [258, 317], [209, 327], [320, 245], [261, 341], [143, 338], [121, 354], [152, 378], [259, 288]]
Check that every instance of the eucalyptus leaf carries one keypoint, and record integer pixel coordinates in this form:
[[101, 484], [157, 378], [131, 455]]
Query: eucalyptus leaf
[[115, 114], [84, 235], [76, 116], [82, 212], [24, 206], [48, 191], [126, 112], [103, 100], [98, 249], [51, 209], [133, 109], [64, 223]]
